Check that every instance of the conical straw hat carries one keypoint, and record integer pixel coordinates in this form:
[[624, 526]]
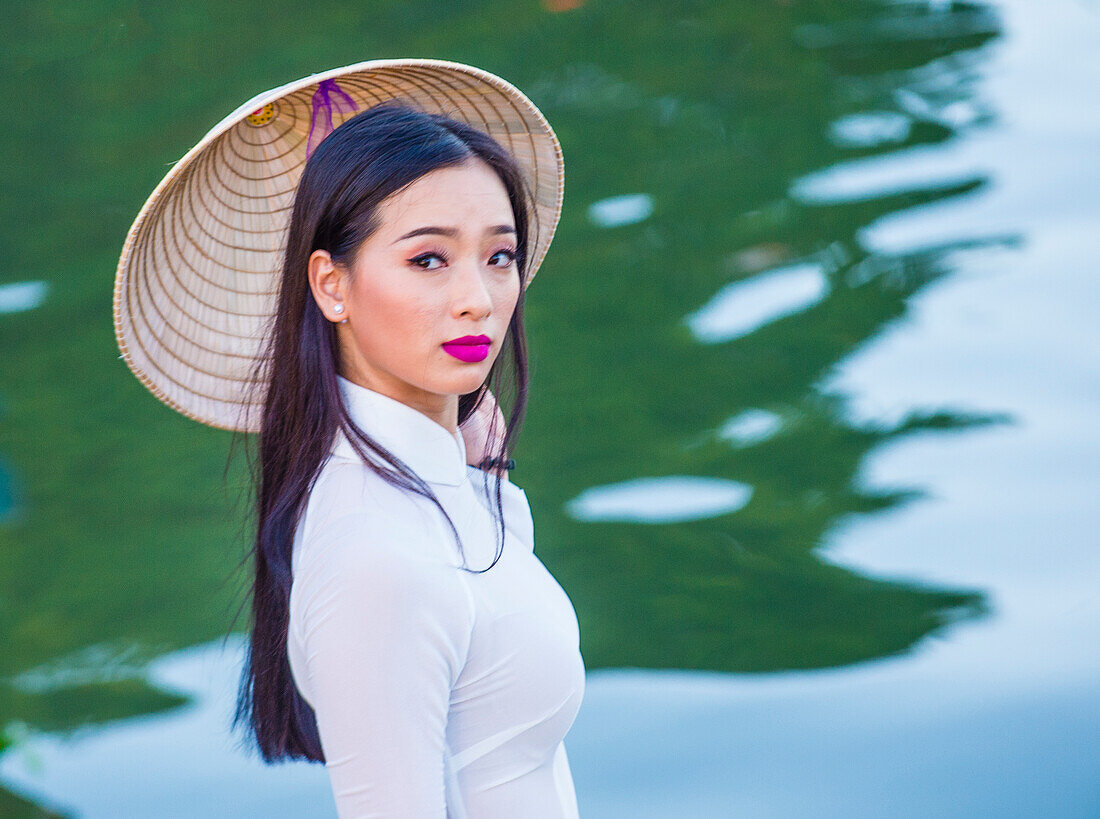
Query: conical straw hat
[[199, 274]]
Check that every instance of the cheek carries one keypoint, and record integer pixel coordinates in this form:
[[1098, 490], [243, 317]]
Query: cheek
[[506, 295], [394, 321]]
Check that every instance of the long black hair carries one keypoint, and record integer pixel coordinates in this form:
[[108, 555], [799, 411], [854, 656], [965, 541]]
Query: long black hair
[[371, 156]]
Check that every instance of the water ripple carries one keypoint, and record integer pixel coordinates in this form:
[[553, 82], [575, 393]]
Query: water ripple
[[743, 306], [670, 499]]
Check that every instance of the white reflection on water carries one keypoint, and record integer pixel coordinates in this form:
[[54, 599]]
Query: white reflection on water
[[670, 499], [19, 296], [955, 114], [750, 426], [99, 663], [621, 210], [743, 306], [863, 180], [870, 128]]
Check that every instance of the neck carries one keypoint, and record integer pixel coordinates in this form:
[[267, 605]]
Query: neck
[[441, 408]]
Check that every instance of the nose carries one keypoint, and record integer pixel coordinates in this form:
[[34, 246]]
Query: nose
[[470, 297]]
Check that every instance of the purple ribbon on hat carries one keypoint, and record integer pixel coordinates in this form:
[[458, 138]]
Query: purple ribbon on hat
[[324, 104]]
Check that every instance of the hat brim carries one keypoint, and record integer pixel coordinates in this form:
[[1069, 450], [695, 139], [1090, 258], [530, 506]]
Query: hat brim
[[199, 272]]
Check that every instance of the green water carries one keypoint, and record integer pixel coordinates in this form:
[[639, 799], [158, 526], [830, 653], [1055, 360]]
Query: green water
[[123, 542]]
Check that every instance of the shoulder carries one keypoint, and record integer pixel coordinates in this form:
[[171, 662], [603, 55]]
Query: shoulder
[[369, 562], [360, 551], [348, 493], [359, 594]]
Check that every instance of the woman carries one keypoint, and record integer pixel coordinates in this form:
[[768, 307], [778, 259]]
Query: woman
[[403, 630]]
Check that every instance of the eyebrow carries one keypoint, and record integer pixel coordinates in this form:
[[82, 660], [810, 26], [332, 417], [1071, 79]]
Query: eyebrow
[[452, 232]]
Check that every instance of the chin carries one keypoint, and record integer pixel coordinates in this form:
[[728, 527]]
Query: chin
[[462, 384]]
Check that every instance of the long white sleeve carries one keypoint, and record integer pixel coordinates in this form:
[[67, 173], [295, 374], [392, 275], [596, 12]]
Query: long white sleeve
[[385, 632]]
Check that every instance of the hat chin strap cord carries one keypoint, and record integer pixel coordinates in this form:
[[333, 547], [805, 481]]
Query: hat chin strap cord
[[323, 105]]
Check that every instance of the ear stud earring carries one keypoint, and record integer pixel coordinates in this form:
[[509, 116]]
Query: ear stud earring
[[338, 308]]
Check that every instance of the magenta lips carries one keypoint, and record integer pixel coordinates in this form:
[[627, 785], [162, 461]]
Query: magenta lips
[[468, 348]]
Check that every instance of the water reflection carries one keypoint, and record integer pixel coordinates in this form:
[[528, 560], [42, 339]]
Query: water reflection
[[671, 499], [621, 210], [907, 31], [153, 764], [750, 426], [868, 129], [744, 306], [19, 296]]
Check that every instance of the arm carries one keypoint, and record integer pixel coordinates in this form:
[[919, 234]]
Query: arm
[[385, 634]]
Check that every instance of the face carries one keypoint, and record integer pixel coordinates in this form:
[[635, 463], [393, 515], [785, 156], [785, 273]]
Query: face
[[440, 267]]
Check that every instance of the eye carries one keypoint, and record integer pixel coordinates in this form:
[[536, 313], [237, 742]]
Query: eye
[[510, 256], [421, 261]]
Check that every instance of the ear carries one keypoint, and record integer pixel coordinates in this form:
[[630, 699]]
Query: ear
[[328, 283]]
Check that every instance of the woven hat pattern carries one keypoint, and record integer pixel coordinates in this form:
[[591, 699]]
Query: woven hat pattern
[[198, 278]]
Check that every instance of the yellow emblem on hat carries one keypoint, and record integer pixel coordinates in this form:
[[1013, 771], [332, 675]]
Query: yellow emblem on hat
[[262, 116]]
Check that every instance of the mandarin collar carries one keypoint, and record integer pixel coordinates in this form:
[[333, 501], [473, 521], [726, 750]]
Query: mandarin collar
[[427, 447]]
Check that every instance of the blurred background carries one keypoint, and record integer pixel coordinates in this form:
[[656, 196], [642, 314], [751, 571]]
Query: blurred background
[[812, 441]]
